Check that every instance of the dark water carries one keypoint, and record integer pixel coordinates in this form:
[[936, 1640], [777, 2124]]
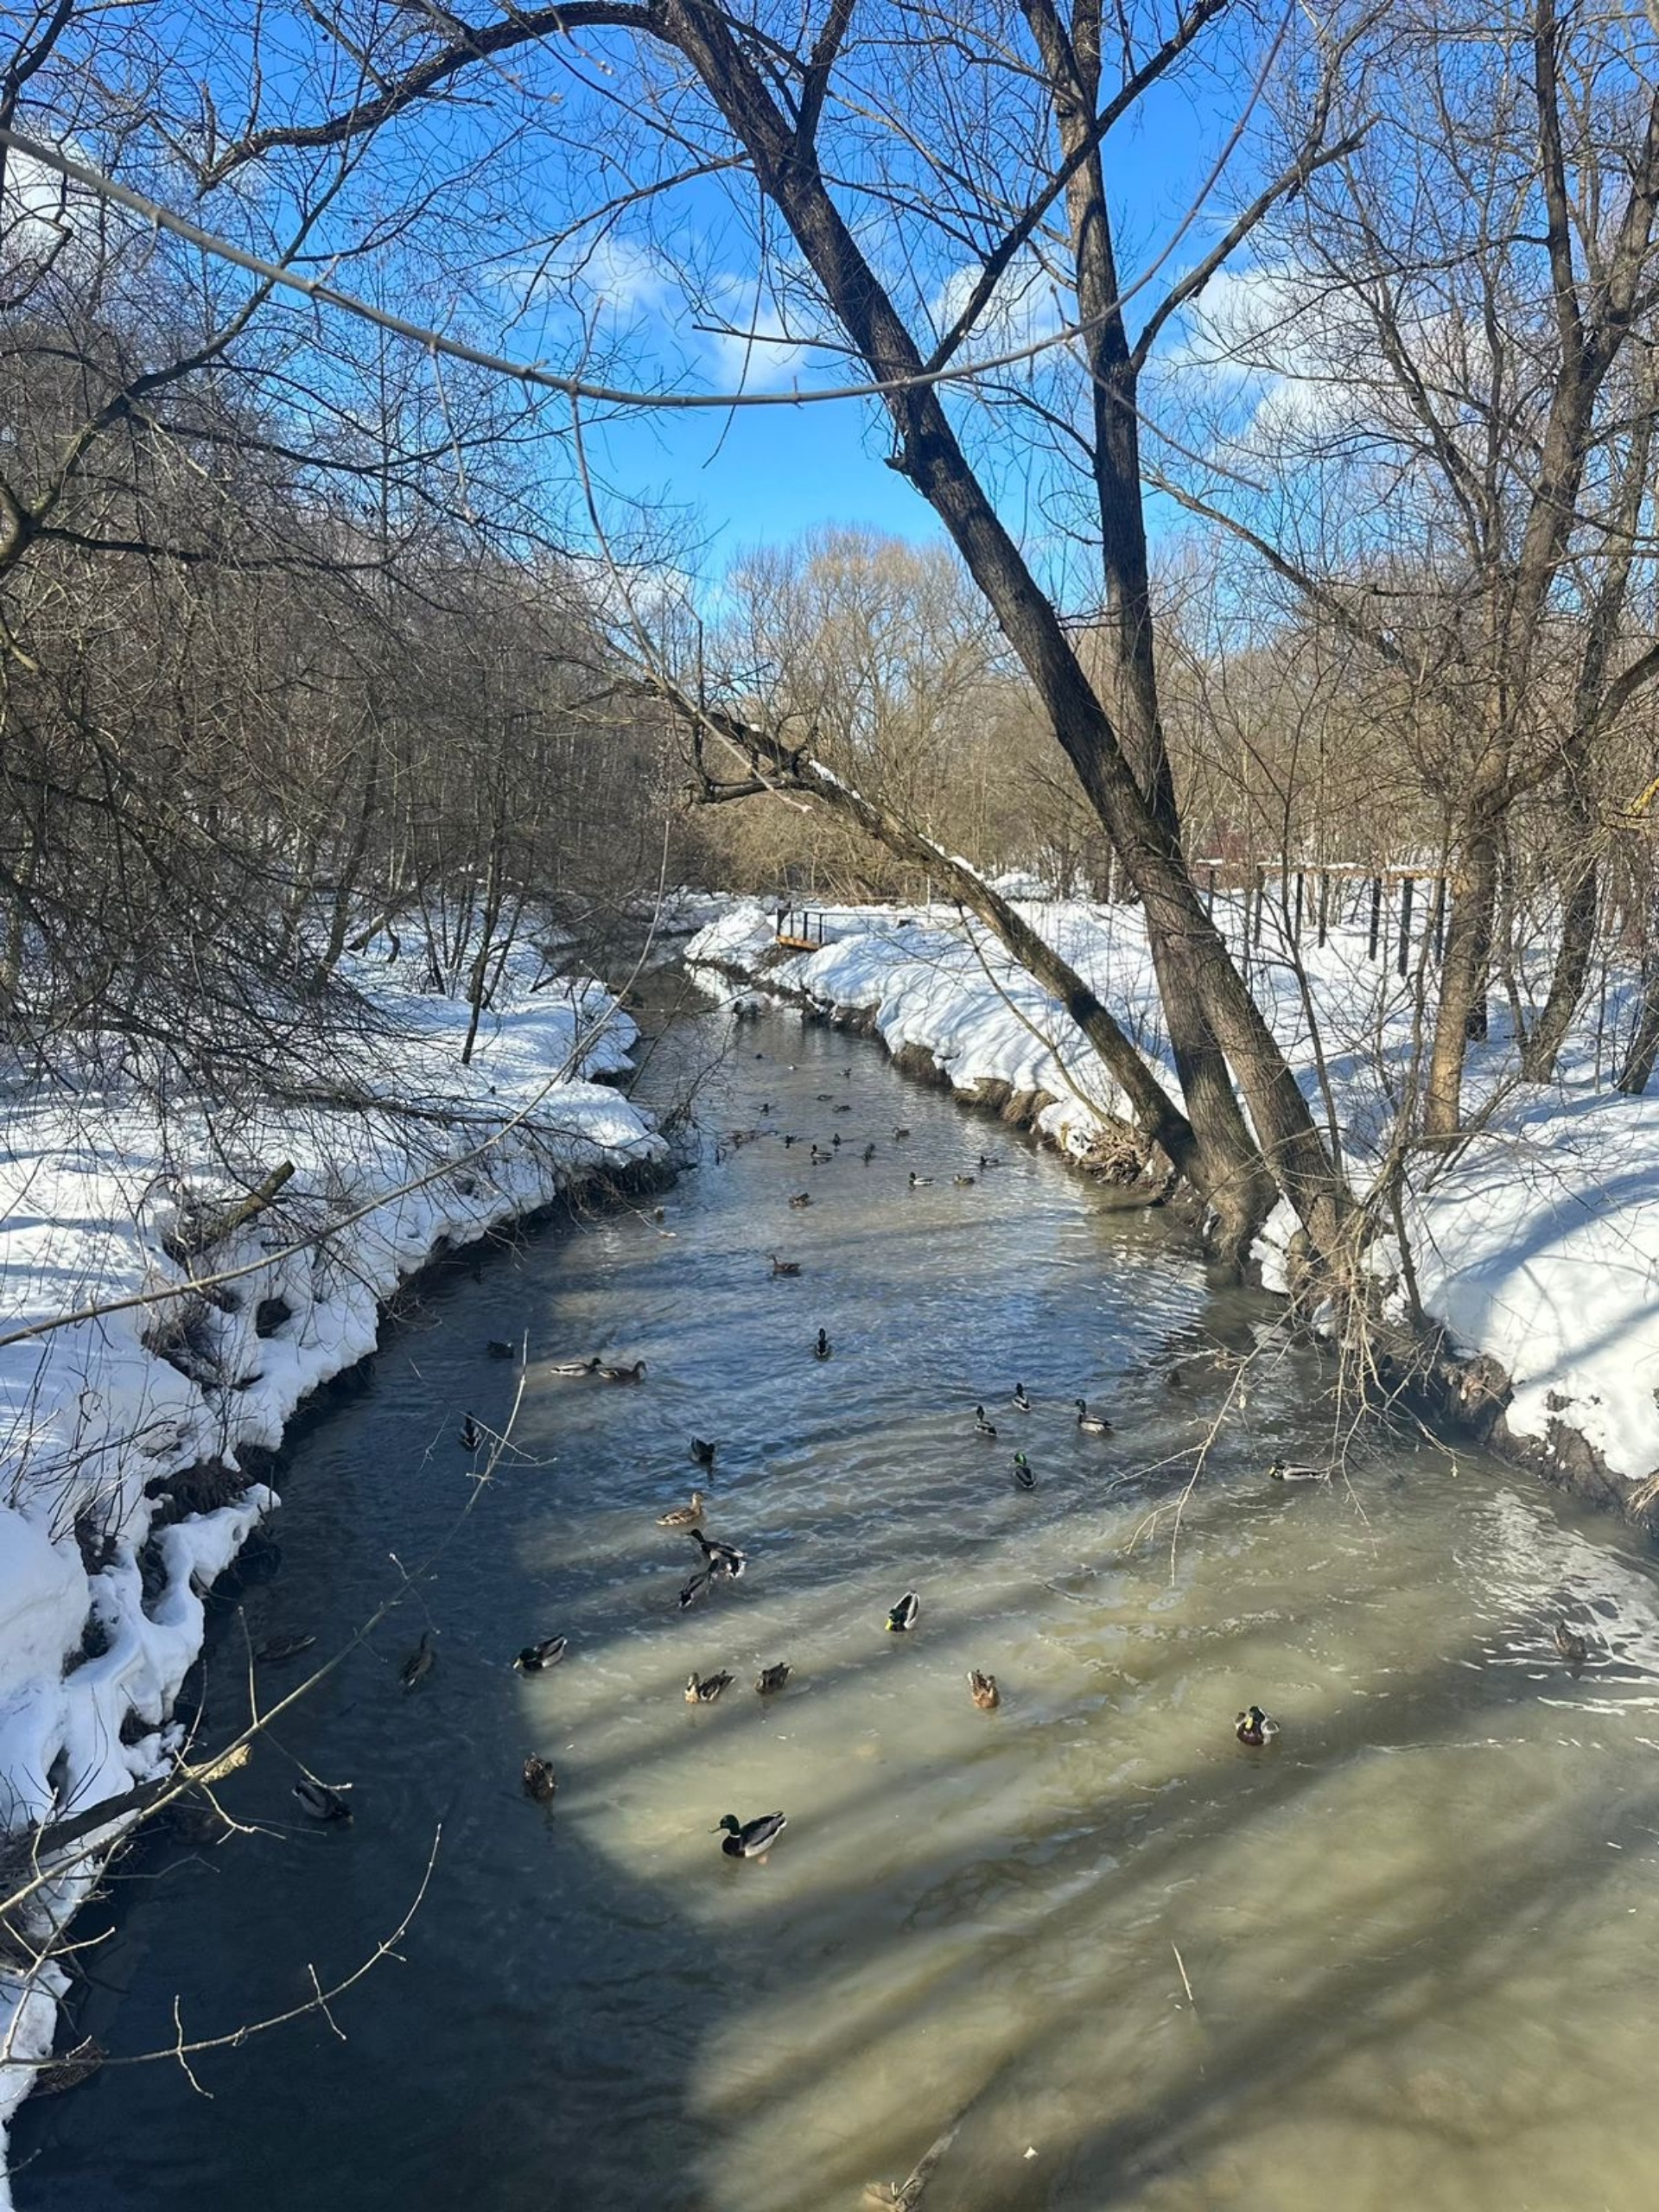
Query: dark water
[[1403, 1958]]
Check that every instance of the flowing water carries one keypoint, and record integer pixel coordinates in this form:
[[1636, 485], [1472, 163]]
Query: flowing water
[[1402, 1957]]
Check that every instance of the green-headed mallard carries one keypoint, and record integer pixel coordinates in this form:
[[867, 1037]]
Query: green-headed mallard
[[590, 1366], [634, 1374], [683, 1516], [702, 1452], [1282, 1472], [899, 1135], [471, 1436], [540, 1781], [1253, 1727], [1023, 1477], [983, 1691], [785, 1267], [698, 1587], [824, 1348], [1020, 1401], [919, 1182], [703, 1690], [800, 1199], [720, 1558], [1091, 1424], [1570, 1645], [750, 1839], [772, 1678], [982, 1427], [536, 1658], [904, 1614], [319, 1800], [420, 1662]]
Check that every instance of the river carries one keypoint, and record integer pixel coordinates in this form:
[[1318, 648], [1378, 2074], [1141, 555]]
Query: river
[[1399, 1958]]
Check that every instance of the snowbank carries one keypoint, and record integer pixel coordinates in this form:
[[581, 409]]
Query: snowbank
[[1538, 1242], [100, 1611]]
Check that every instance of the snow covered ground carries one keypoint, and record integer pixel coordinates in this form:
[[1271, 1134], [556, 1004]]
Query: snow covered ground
[[101, 1612], [1538, 1242]]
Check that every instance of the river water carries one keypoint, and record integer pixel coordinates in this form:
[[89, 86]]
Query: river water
[[1402, 1957]]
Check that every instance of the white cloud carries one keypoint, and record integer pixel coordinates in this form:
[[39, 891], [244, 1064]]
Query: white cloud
[[1024, 309]]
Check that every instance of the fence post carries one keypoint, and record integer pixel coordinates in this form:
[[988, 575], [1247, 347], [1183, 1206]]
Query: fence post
[[1406, 890], [1376, 913]]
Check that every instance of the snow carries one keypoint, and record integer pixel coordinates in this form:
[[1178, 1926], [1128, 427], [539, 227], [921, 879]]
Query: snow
[[92, 1413], [1538, 1240]]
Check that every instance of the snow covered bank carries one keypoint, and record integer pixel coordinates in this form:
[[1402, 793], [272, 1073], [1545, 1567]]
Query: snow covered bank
[[1536, 1243], [100, 1567]]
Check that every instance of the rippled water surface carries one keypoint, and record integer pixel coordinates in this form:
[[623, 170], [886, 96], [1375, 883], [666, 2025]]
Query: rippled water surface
[[1403, 1958]]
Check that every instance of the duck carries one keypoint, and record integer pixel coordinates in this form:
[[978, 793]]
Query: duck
[[989, 1159], [772, 1678], [835, 1139], [1091, 1424], [319, 1800], [845, 1107], [983, 1691], [962, 1182], [1023, 1477], [789, 1139], [497, 1350], [634, 1374], [919, 1182], [420, 1662], [698, 1587], [1570, 1645], [702, 1452], [1281, 1471], [899, 1135], [1253, 1727], [824, 1097], [824, 1348], [868, 1153], [818, 1158], [721, 1559], [785, 1267], [540, 1781], [800, 1199], [536, 1658], [982, 1427], [573, 1366], [706, 1690], [275, 1649], [683, 1516], [904, 1614], [471, 1436], [1020, 1401], [749, 1839]]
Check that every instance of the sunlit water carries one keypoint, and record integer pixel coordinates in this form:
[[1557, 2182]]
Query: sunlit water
[[1403, 1958]]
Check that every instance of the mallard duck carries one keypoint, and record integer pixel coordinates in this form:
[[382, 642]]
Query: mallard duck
[[989, 1159], [471, 1436], [824, 1097], [634, 1374], [275, 1649], [824, 1348], [835, 1134], [899, 1135], [1020, 1401], [919, 1182], [1281, 1472], [904, 1614], [723, 1559], [962, 1182], [1023, 1477], [982, 1427], [420, 1662], [789, 1139], [683, 1516], [785, 1267], [573, 1366], [497, 1350], [1570, 1645], [536, 1658], [319, 1800], [1254, 1727], [800, 1199], [702, 1452], [706, 1690], [750, 1839], [697, 1588], [868, 1154], [983, 1691], [817, 1157], [540, 1781], [772, 1678], [1091, 1424]]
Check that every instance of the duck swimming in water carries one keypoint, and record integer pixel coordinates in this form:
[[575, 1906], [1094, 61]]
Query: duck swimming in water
[[1020, 1401], [471, 1436], [1570, 1645], [706, 1690], [683, 1516], [1281, 1471], [703, 1452], [420, 1662], [1023, 1477], [750, 1839], [983, 1691], [536, 1658], [785, 1267], [824, 1348], [904, 1614], [634, 1374], [1253, 1727], [1091, 1424], [721, 1559], [770, 1680], [982, 1427], [319, 1800], [540, 1781]]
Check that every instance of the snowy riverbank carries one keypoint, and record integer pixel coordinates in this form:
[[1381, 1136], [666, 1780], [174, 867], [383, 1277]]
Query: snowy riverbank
[[1537, 1244], [100, 1567]]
